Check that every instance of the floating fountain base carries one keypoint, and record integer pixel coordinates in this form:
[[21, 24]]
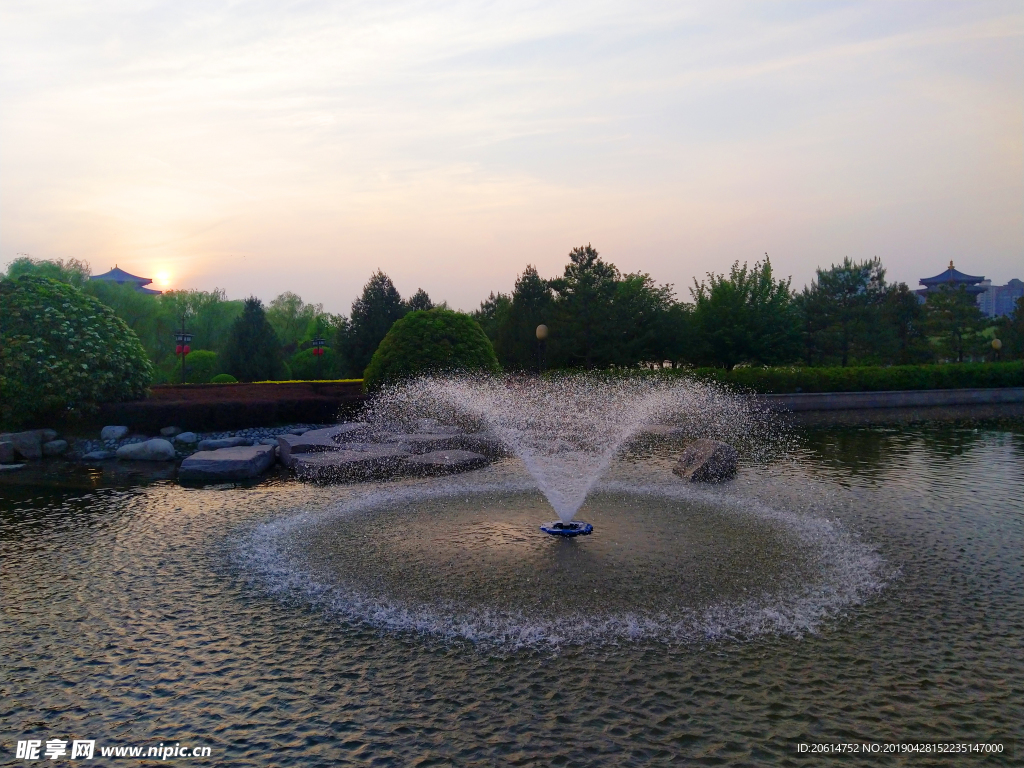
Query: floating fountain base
[[574, 528]]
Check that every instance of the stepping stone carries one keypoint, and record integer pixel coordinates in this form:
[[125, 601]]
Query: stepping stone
[[224, 442], [707, 461], [427, 442], [317, 441], [237, 463], [444, 462], [156, 449], [99, 456], [369, 462]]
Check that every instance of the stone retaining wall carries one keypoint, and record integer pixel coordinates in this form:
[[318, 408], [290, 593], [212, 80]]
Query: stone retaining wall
[[924, 398]]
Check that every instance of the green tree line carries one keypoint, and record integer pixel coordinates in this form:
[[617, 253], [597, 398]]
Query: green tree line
[[597, 317]]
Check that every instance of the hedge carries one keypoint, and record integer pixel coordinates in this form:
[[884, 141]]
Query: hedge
[[785, 380]]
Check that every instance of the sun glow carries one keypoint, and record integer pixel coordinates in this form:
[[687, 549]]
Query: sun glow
[[163, 279]]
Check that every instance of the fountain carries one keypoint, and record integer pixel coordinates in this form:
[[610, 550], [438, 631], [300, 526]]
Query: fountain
[[657, 558]]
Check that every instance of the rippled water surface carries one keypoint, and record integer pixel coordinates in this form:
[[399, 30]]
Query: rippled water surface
[[294, 625]]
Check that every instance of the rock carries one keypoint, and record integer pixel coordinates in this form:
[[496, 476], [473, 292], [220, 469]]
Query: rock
[[47, 435], [290, 445], [99, 456], [444, 462], [370, 462], [186, 438], [707, 461], [483, 442], [55, 447], [427, 442], [156, 449], [6, 467], [224, 442], [239, 463], [6, 452], [28, 445], [113, 433], [269, 441], [170, 431], [434, 427]]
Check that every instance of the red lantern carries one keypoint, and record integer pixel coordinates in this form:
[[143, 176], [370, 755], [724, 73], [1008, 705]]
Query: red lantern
[[187, 350], [177, 350]]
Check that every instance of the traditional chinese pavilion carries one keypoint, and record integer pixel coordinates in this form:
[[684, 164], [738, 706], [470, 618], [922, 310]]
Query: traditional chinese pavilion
[[121, 277], [954, 279]]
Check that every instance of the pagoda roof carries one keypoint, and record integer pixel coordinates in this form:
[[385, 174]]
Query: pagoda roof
[[951, 275], [120, 276]]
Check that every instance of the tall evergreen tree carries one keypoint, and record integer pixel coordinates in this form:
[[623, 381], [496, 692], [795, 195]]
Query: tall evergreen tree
[[253, 350], [903, 337], [530, 306], [373, 314], [841, 310], [954, 317], [419, 300], [585, 296], [745, 317], [492, 314]]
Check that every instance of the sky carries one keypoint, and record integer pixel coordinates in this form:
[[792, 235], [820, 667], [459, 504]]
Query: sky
[[268, 146]]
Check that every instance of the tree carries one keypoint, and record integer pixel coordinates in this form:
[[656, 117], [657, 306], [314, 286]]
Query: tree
[[253, 350], [201, 365], [841, 310], [581, 333], [1013, 333], [903, 336], [530, 305], [436, 340], [640, 321], [493, 314], [293, 319], [747, 317], [419, 300], [954, 317], [63, 351], [73, 271], [373, 314]]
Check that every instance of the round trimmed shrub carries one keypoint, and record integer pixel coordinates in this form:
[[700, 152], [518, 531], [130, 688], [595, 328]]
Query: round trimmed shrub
[[428, 341], [305, 366], [223, 378], [200, 366], [62, 351]]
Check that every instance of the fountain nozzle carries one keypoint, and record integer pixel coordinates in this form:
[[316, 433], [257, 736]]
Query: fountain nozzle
[[572, 528]]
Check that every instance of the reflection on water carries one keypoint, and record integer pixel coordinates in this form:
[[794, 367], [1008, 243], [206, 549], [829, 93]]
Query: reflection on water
[[124, 617]]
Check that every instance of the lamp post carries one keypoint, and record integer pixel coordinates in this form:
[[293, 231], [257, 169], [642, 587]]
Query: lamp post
[[542, 337], [997, 345], [182, 337], [318, 353]]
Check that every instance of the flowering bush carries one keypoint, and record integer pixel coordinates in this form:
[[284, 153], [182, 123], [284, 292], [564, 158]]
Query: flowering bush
[[63, 351]]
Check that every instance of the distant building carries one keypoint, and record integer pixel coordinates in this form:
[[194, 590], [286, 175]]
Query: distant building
[[1000, 300], [121, 277], [993, 300]]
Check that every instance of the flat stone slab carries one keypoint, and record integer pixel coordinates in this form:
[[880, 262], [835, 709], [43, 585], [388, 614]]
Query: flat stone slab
[[370, 461], [156, 449], [292, 446], [420, 442], [236, 463], [444, 462], [99, 456], [223, 442], [707, 461], [340, 433]]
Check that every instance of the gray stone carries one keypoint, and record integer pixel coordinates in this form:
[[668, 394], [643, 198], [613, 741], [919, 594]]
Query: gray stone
[[290, 446], [239, 463], [434, 427], [113, 433], [707, 461], [156, 449], [483, 442], [170, 431], [55, 447], [186, 438], [224, 442], [7, 467], [269, 441], [47, 435], [28, 445], [427, 442], [370, 462], [444, 462], [6, 452], [99, 456]]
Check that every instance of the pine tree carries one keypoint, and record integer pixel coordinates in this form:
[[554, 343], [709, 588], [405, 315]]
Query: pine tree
[[253, 350], [373, 314]]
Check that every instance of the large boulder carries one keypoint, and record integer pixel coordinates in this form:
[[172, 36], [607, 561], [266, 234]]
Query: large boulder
[[28, 445], [156, 449], [113, 433], [6, 452], [365, 462], [238, 463], [223, 442], [707, 461], [443, 462], [55, 447]]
